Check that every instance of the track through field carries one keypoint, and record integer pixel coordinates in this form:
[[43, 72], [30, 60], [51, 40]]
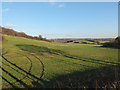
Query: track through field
[[27, 73]]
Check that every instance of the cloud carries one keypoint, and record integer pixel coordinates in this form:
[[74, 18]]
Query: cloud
[[4, 10], [11, 26], [53, 3], [61, 5], [51, 0]]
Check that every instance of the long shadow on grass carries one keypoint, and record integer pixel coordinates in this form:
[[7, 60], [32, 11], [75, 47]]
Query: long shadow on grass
[[106, 47], [39, 49], [12, 68], [21, 82], [8, 82], [20, 68], [91, 78], [91, 60]]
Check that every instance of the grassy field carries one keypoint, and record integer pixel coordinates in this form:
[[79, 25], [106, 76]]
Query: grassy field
[[81, 41], [30, 63]]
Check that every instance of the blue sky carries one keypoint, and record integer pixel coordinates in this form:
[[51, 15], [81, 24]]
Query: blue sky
[[62, 19]]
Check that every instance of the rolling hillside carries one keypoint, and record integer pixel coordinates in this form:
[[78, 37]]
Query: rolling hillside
[[29, 63], [12, 32]]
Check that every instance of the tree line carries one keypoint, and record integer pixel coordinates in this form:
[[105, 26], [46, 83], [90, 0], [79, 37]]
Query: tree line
[[114, 44], [11, 32]]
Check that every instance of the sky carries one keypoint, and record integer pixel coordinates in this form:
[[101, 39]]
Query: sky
[[62, 19]]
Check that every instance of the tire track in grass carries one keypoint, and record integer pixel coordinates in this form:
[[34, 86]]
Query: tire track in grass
[[25, 74], [29, 71], [21, 82], [42, 72], [12, 68]]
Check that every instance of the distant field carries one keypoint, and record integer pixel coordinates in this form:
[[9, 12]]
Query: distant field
[[103, 41], [93, 42], [59, 64]]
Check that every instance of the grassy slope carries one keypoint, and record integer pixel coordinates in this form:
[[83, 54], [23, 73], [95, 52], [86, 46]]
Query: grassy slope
[[78, 63], [92, 42]]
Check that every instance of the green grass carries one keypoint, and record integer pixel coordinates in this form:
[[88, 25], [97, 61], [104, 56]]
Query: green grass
[[92, 42], [65, 64], [104, 41]]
